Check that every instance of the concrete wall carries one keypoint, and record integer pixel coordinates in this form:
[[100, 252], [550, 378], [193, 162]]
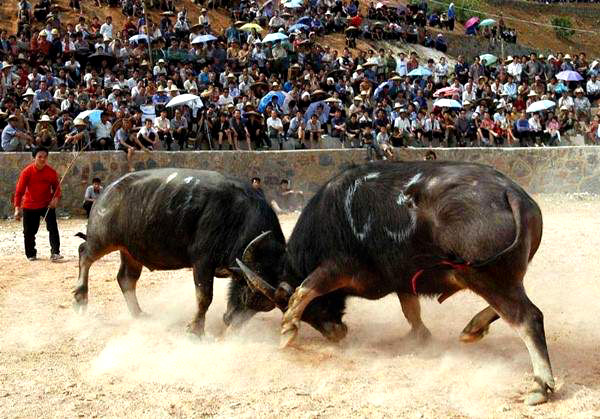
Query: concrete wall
[[538, 170]]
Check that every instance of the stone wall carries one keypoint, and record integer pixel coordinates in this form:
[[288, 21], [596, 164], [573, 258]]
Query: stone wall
[[538, 170]]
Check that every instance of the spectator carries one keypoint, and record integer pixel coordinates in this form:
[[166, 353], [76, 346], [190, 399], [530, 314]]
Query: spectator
[[14, 139], [92, 193]]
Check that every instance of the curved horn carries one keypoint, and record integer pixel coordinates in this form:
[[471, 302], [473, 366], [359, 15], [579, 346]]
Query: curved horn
[[248, 256], [255, 282]]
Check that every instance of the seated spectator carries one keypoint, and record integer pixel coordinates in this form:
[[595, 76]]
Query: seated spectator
[[44, 134], [92, 193], [148, 136], [162, 125], [103, 139], [13, 139]]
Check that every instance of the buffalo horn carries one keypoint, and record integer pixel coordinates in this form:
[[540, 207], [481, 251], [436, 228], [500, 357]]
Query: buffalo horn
[[255, 282], [248, 256]]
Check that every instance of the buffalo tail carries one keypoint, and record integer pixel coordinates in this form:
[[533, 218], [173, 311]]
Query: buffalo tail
[[82, 235]]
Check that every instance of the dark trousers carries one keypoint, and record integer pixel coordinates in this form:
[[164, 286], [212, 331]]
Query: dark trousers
[[31, 224], [87, 206]]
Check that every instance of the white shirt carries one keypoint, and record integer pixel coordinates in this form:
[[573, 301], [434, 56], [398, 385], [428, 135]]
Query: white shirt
[[106, 29], [103, 130], [274, 123]]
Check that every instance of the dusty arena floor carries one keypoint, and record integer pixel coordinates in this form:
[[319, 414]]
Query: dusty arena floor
[[54, 363]]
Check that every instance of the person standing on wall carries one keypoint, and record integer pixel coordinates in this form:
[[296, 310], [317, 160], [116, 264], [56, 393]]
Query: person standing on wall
[[36, 196], [91, 194]]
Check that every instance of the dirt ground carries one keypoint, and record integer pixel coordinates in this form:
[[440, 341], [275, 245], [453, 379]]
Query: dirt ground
[[55, 363]]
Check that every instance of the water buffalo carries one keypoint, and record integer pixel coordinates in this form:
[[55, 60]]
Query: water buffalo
[[177, 218], [412, 228]]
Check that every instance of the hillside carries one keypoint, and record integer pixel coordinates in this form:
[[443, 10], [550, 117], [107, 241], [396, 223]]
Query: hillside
[[583, 16]]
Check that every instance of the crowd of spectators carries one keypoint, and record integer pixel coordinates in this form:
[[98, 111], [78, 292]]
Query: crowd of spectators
[[268, 81]]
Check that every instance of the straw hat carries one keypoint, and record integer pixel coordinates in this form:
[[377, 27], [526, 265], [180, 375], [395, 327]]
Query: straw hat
[[45, 118], [29, 92], [567, 57], [532, 93], [160, 88], [174, 88], [12, 117], [116, 87], [5, 65], [79, 122], [509, 59], [358, 98]]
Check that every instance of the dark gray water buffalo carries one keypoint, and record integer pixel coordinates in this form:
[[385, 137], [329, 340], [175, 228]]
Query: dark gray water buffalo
[[411, 228], [177, 218]]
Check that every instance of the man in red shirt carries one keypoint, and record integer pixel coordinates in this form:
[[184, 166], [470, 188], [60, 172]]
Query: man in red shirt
[[37, 194]]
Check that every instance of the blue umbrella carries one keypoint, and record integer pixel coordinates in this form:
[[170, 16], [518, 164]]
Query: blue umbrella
[[420, 72], [273, 37], [312, 108], [92, 115], [561, 88], [306, 20], [200, 39], [569, 76], [379, 89], [262, 105], [299, 27]]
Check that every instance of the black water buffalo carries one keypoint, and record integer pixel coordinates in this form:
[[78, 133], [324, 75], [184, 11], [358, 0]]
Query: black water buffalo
[[177, 218], [411, 228]]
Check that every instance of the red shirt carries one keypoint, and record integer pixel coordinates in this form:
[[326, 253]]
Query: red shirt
[[36, 187]]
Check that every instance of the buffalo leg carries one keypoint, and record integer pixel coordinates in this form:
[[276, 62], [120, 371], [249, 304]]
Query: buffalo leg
[[128, 275], [412, 311], [80, 293], [321, 281], [515, 308], [203, 281], [479, 326]]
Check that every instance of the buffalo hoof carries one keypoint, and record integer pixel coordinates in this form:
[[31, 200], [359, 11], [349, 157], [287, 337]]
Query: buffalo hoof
[[195, 329], [536, 397], [419, 335], [334, 332], [289, 333], [80, 307], [469, 335]]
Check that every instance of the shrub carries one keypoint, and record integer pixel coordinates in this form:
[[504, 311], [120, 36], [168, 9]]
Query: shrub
[[563, 28]]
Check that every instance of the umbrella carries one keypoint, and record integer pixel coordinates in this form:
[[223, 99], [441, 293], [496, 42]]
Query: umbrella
[[305, 20], [258, 84], [138, 38], [268, 98], [471, 22], [420, 72], [569, 75], [379, 89], [447, 103], [312, 109], [540, 105], [298, 27], [561, 88], [273, 37], [249, 26], [446, 91], [488, 59], [93, 115], [487, 22], [185, 99], [97, 58], [200, 39], [293, 4]]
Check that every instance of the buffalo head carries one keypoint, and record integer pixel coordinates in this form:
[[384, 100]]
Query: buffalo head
[[278, 285]]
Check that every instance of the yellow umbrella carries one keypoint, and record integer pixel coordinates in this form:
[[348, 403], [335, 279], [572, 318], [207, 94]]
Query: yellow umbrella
[[249, 26]]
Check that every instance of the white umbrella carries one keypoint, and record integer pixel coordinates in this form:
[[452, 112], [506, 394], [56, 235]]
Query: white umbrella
[[138, 38], [447, 103], [185, 99], [540, 105]]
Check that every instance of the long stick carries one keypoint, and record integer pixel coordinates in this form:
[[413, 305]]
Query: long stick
[[63, 178]]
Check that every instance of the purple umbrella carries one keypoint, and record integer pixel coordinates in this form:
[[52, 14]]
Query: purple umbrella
[[471, 22], [569, 75]]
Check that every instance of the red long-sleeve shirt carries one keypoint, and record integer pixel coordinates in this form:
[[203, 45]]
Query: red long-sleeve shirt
[[36, 187]]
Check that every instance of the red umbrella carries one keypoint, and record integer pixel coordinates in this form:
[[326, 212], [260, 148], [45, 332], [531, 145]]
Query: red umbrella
[[471, 22], [446, 92]]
